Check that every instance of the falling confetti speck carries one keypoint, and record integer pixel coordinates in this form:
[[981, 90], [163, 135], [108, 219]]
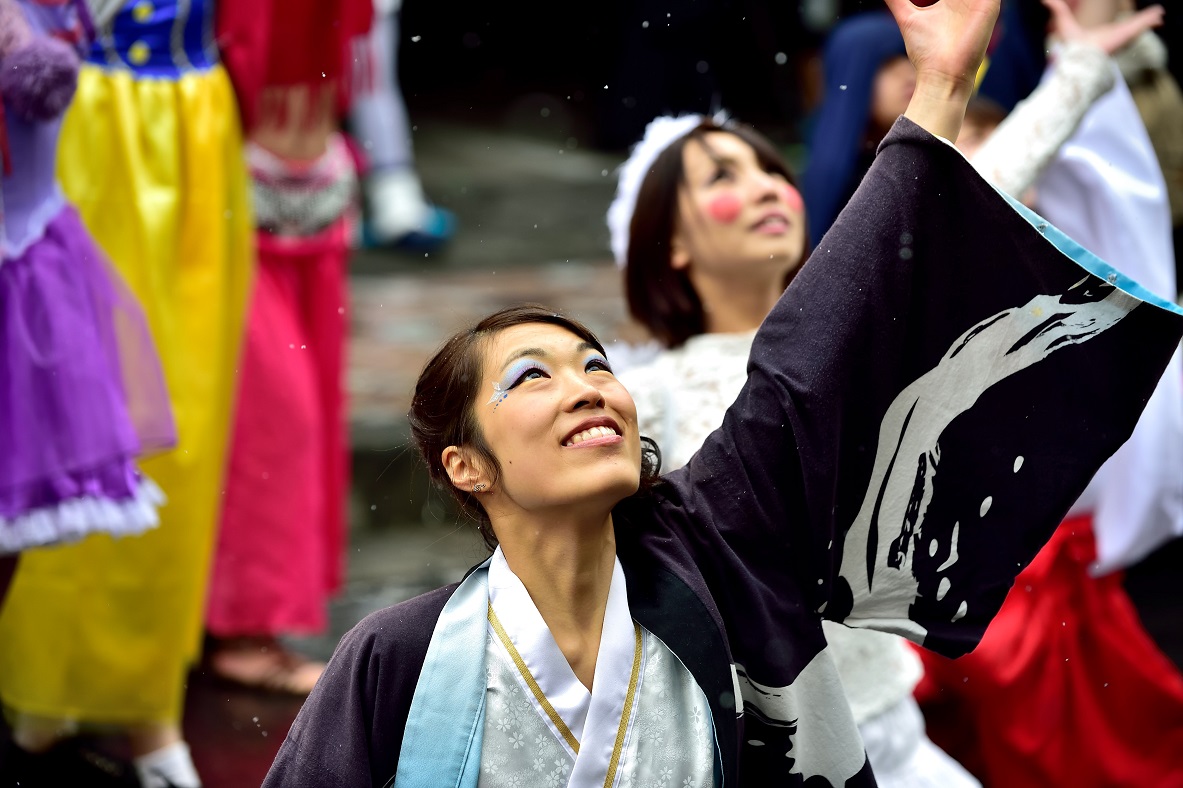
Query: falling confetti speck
[[781, 58], [842, 87], [415, 39]]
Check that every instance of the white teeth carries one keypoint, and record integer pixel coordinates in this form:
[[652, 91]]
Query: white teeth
[[589, 434]]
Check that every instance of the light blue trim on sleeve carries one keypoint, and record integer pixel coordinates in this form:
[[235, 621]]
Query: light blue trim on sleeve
[[445, 726], [1089, 261]]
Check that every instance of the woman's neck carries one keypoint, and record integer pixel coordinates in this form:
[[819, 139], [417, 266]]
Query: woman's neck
[[734, 305], [567, 571]]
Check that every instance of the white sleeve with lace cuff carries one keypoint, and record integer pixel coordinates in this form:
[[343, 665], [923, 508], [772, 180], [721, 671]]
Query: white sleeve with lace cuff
[[1026, 142]]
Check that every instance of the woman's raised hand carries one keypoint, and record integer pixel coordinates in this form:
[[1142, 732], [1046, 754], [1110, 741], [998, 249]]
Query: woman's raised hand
[[1109, 35], [946, 41]]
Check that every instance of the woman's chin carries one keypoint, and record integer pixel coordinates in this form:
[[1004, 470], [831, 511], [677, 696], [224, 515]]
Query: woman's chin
[[611, 488]]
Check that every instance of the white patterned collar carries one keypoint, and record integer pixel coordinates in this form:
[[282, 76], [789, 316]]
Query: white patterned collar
[[592, 717]]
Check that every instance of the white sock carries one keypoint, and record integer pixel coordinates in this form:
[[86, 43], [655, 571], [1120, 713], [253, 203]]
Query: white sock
[[397, 204], [168, 766]]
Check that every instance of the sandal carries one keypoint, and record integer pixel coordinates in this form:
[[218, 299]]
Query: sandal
[[264, 664]]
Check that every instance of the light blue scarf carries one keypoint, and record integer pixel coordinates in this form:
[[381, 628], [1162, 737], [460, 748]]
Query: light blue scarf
[[442, 741]]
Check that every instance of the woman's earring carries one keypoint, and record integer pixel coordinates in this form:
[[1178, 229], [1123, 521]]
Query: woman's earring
[[476, 488]]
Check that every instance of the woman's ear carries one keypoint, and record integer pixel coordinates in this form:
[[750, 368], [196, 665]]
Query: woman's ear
[[464, 469]]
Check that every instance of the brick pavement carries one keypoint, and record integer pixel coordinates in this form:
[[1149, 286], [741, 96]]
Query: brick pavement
[[530, 210]]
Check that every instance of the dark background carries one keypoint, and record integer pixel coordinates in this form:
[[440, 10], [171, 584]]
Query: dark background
[[507, 62]]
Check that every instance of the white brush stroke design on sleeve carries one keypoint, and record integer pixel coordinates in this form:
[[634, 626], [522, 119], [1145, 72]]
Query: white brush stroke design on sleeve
[[799, 722], [879, 546]]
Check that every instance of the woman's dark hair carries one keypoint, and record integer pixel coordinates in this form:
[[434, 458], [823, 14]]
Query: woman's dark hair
[[659, 297], [442, 412]]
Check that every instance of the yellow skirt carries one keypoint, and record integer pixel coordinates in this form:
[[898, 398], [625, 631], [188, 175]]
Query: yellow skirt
[[103, 631]]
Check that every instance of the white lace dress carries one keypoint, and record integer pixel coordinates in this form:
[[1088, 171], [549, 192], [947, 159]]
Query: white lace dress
[[681, 397]]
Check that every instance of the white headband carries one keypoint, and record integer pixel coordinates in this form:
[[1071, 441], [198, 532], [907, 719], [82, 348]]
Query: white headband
[[659, 135]]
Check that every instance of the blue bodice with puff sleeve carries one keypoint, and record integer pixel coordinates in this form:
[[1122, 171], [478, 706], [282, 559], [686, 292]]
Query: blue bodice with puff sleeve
[[156, 38]]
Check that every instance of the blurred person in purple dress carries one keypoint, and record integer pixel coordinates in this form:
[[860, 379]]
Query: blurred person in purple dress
[[84, 393]]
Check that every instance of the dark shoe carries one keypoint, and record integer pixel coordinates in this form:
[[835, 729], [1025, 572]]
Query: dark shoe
[[74, 761]]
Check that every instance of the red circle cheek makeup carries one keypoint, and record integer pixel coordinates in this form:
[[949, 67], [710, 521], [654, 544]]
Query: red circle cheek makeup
[[725, 208], [793, 199]]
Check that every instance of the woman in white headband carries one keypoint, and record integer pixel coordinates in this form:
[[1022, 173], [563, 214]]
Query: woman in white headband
[[709, 228]]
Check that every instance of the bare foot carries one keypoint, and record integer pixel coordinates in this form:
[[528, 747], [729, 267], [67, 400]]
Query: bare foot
[[264, 664]]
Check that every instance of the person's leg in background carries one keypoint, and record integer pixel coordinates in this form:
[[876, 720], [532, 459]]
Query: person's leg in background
[[398, 212]]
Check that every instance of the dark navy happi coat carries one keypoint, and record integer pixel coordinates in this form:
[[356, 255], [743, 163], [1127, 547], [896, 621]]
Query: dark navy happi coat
[[931, 394]]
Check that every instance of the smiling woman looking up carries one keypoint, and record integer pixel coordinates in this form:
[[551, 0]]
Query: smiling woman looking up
[[922, 405], [557, 416]]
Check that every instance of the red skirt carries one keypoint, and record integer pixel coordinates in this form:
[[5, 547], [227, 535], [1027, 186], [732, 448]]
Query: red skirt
[[279, 553], [1065, 689]]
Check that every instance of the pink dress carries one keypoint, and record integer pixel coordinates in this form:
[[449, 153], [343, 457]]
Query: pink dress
[[279, 553]]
